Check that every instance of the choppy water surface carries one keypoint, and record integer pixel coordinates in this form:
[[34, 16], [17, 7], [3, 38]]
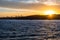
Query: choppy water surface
[[29, 29]]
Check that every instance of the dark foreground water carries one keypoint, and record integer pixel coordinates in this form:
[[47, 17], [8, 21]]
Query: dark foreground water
[[29, 29]]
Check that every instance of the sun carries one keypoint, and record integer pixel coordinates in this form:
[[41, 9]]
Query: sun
[[49, 12]]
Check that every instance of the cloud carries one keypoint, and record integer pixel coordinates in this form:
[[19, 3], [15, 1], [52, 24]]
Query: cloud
[[16, 10], [22, 4], [28, 6], [23, 1], [11, 4], [18, 5]]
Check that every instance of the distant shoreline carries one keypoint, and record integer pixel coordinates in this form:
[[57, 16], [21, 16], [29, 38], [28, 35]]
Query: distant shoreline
[[34, 17]]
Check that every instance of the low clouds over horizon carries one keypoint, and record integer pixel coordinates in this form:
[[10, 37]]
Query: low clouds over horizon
[[27, 4]]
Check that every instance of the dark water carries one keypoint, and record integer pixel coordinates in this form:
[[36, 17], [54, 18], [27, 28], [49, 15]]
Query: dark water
[[29, 29]]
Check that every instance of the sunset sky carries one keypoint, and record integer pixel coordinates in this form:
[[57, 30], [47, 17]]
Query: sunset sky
[[27, 7]]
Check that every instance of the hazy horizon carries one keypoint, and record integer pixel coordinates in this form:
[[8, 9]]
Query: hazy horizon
[[27, 7]]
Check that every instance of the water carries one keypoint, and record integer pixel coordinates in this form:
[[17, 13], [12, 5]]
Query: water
[[29, 29]]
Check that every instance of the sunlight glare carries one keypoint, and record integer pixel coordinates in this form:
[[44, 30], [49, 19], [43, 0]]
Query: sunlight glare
[[49, 12]]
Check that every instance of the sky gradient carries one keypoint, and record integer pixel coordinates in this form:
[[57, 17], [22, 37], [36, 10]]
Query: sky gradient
[[26, 7]]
